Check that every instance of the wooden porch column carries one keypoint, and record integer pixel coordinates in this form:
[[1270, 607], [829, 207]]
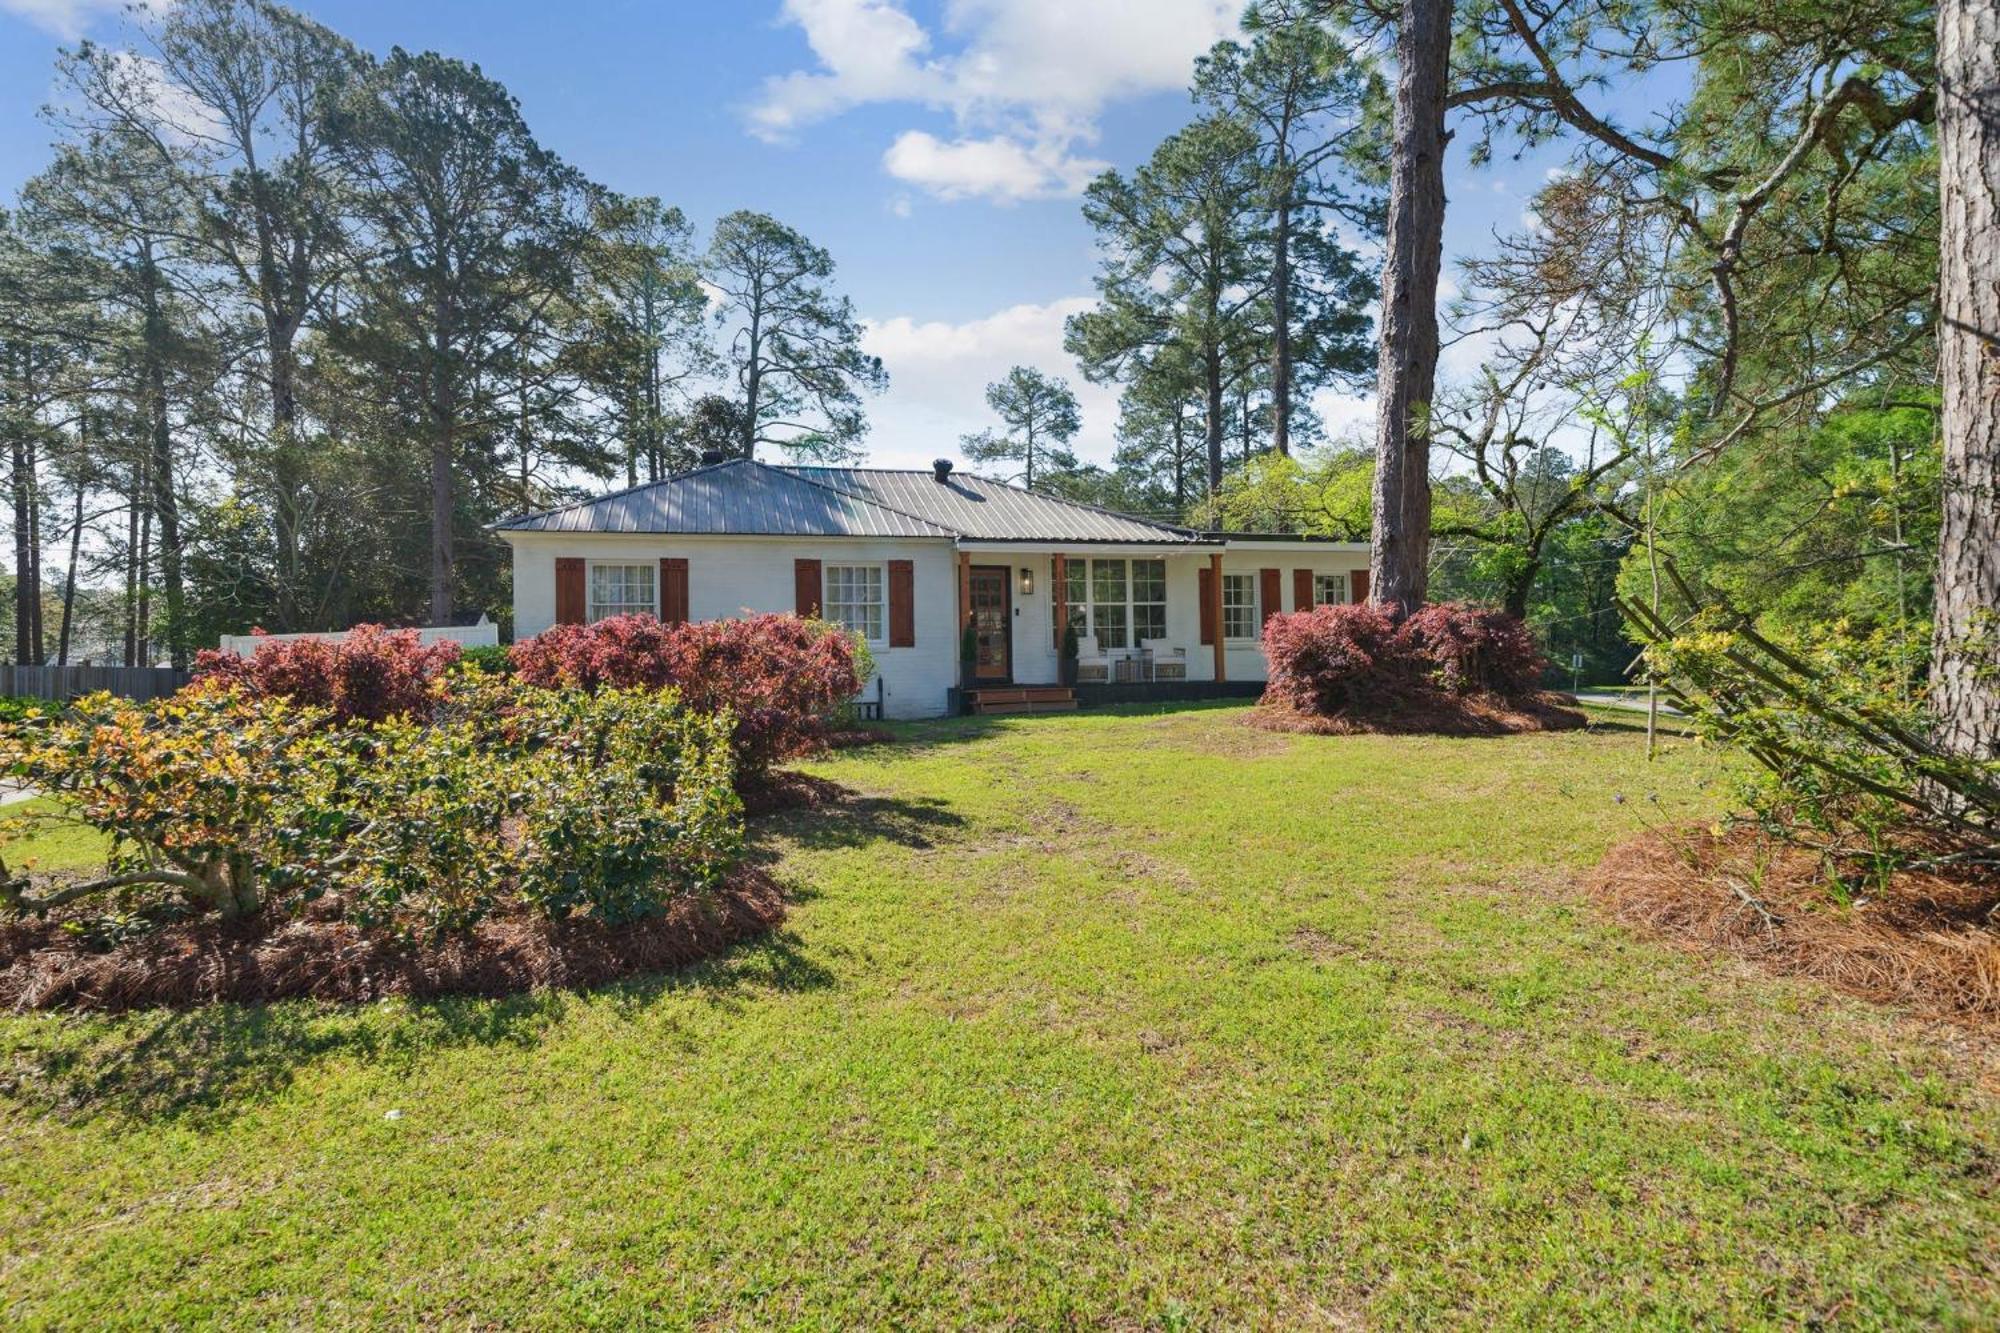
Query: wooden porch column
[[1215, 611], [1061, 594], [964, 590]]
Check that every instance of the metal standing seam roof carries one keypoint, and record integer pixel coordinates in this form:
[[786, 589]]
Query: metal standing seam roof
[[980, 509], [757, 499], [734, 498]]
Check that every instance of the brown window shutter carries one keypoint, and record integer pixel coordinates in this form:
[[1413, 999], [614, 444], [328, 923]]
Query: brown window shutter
[[806, 586], [1302, 590], [902, 604], [1207, 606], [674, 590], [569, 590], [1272, 591], [1359, 581]]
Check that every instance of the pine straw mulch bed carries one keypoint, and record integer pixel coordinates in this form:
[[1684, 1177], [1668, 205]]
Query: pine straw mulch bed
[[43, 965], [1929, 942], [1432, 715]]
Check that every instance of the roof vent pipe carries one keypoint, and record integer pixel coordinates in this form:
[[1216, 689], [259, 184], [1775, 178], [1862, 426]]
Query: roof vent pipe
[[941, 470], [710, 457]]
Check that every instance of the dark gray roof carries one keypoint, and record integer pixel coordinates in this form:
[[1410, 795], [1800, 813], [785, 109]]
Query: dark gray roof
[[760, 500], [983, 510], [734, 497]]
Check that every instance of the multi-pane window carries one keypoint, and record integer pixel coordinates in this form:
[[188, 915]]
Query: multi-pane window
[[1329, 589], [1149, 600], [1109, 610], [854, 599], [1239, 606], [621, 590], [1121, 602], [1076, 592]]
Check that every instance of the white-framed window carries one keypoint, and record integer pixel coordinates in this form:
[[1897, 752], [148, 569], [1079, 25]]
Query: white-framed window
[[1329, 589], [623, 590], [1110, 607], [856, 599], [1239, 606], [1076, 597], [1121, 602], [1149, 600]]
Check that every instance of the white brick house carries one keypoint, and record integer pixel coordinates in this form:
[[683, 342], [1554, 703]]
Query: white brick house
[[905, 558]]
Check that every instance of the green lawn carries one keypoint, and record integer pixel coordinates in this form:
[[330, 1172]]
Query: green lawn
[[1110, 1019], [36, 842]]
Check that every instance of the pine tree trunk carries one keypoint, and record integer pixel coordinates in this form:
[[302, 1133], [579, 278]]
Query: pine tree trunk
[[443, 448], [166, 504], [287, 477], [40, 640], [142, 634], [69, 578], [753, 376], [25, 592], [1413, 250], [132, 571], [1180, 461], [1965, 644], [1281, 330], [1213, 371]]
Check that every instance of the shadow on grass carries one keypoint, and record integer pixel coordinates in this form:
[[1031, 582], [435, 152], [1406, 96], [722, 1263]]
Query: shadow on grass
[[945, 731], [840, 817], [208, 1064]]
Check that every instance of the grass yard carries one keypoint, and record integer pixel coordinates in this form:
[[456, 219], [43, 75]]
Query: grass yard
[[1109, 1019]]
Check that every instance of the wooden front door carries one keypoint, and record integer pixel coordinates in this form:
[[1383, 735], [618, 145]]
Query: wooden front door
[[992, 620]]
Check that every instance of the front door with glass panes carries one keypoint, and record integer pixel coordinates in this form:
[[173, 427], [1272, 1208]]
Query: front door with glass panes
[[993, 658]]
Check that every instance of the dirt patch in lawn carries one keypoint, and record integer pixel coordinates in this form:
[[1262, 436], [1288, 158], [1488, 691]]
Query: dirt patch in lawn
[[1929, 942], [1432, 715], [47, 965]]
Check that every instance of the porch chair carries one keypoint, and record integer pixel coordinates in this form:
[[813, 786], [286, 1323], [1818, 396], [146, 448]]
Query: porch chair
[[1092, 666], [1169, 663]]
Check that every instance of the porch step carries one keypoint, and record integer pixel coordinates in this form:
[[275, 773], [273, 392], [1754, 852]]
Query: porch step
[[1024, 699]]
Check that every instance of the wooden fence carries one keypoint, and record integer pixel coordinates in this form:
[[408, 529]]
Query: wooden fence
[[66, 682]]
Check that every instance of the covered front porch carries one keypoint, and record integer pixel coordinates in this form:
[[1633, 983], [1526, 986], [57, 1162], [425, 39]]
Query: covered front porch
[[1167, 620]]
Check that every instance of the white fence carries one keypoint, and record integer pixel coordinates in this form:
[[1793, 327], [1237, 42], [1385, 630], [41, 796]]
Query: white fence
[[485, 634]]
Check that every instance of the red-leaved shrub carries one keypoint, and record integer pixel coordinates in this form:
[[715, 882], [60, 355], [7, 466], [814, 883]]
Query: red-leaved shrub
[[1335, 658], [629, 652], [372, 674], [781, 677], [1468, 648], [1331, 658]]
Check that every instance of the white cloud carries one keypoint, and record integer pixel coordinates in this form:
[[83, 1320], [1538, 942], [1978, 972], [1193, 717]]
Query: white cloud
[[939, 370], [869, 50], [1024, 80], [67, 19], [998, 168], [1347, 417]]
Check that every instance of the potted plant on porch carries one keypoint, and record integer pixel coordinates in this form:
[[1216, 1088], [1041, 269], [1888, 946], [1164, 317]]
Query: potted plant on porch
[[1066, 658]]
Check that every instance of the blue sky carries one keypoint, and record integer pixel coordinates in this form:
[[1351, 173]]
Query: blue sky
[[936, 147]]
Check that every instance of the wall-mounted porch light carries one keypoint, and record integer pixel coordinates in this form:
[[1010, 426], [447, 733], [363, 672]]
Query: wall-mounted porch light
[[1027, 582]]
